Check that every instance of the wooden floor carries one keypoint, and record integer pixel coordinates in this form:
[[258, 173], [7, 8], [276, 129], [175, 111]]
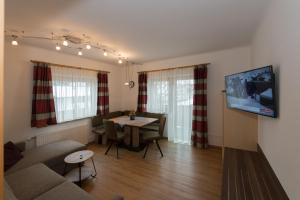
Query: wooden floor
[[183, 173]]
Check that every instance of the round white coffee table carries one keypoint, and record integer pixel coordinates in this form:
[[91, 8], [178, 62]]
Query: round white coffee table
[[82, 172]]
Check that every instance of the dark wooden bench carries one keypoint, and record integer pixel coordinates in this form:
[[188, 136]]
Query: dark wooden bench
[[247, 175]]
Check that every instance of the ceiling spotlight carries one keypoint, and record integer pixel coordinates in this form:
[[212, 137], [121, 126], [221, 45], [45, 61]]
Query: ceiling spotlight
[[105, 53], [65, 43], [80, 52], [88, 46], [14, 42], [57, 47], [120, 61]]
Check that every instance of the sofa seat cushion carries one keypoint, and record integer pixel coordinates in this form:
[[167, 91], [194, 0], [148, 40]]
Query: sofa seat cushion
[[8, 193], [33, 181], [49, 154], [66, 191]]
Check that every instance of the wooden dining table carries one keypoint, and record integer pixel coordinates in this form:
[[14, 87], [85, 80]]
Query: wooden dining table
[[132, 128]]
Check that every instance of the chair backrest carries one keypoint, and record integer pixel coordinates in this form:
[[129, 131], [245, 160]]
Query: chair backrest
[[97, 121], [162, 123], [110, 129]]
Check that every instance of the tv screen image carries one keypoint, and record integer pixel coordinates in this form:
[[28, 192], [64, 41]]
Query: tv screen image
[[252, 91]]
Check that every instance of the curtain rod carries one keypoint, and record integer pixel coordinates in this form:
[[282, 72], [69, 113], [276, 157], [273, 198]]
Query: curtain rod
[[170, 68], [68, 66]]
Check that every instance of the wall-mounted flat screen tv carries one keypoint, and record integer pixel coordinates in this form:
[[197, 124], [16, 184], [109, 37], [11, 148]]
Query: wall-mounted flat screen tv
[[252, 91]]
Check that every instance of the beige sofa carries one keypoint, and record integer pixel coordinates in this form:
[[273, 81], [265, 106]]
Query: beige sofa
[[52, 155], [33, 177]]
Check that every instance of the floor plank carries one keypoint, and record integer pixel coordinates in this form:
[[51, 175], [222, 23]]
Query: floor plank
[[183, 173]]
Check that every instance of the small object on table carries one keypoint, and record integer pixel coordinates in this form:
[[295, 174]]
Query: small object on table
[[84, 171], [132, 115]]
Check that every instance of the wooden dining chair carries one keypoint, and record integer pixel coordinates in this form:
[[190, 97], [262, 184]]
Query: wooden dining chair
[[149, 136], [114, 136]]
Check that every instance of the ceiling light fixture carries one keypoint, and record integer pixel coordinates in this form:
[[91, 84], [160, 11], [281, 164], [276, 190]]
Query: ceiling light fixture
[[14, 42], [77, 44], [88, 46], [57, 47], [80, 52], [65, 43]]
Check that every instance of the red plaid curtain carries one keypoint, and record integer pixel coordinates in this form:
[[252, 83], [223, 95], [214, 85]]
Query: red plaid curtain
[[103, 98], [199, 136], [43, 109], [142, 96]]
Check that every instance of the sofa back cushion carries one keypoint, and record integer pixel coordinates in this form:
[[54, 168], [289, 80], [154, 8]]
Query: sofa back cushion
[[113, 114], [8, 194], [126, 112], [154, 115], [140, 114]]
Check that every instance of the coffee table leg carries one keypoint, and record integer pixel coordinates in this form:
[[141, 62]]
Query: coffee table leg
[[94, 168], [65, 168], [79, 174]]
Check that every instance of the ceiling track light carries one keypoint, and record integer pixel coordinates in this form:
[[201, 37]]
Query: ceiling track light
[[65, 43], [57, 47], [88, 46], [77, 44], [14, 41], [80, 52]]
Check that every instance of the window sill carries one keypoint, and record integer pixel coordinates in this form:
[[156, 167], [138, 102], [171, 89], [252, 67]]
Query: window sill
[[75, 120]]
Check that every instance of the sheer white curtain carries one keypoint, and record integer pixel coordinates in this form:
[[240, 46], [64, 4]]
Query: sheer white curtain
[[171, 92], [75, 93]]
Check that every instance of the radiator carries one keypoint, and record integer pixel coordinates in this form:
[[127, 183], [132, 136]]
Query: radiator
[[78, 133]]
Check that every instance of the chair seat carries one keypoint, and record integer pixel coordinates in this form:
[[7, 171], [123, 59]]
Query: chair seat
[[150, 135], [151, 127], [120, 135], [99, 130]]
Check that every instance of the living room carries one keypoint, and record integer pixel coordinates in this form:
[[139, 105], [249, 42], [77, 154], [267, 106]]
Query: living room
[[133, 99]]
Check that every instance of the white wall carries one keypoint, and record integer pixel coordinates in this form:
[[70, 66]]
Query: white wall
[[277, 42], [18, 91], [222, 63]]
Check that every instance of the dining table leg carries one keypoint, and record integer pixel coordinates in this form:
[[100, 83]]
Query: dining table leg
[[135, 136], [127, 139]]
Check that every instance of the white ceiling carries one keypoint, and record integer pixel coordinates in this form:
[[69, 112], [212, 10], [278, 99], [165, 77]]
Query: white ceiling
[[143, 30]]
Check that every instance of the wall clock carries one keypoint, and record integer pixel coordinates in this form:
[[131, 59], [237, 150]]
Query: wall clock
[[131, 84]]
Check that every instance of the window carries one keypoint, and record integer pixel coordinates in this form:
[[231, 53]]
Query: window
[[75, 93], [171, 92]]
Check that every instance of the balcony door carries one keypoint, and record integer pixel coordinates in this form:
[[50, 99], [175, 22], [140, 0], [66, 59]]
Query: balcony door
[[171, 92]]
